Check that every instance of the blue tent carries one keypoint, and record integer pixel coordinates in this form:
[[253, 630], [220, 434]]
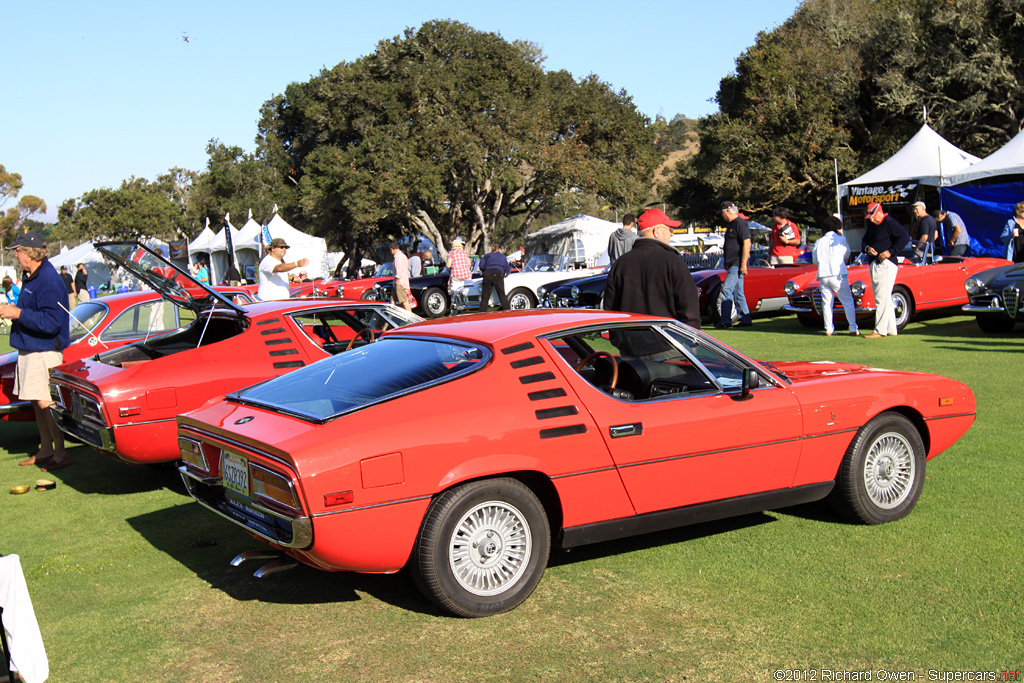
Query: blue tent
[[985, 210]]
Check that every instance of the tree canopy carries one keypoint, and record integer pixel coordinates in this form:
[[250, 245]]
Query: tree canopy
[[844, 82], [17, 216], [137, 209], [448, 131]]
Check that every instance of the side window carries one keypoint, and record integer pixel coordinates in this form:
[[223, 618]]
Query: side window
[[633, 363], [728, 373], [138, 321]]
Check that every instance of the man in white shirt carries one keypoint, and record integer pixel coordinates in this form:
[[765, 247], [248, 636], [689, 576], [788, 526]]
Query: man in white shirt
[[273, 281], [830, 253], [401, 267]]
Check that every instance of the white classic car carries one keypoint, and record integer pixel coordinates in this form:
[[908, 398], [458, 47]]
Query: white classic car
[[521, 287]]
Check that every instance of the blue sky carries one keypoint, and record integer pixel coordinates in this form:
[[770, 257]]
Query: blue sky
[[100, 92]]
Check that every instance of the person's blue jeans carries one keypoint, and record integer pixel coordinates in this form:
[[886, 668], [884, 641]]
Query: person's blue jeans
[[733, 295]]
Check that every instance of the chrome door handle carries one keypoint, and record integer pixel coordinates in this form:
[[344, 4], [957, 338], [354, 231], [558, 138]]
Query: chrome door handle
[[635, 429]]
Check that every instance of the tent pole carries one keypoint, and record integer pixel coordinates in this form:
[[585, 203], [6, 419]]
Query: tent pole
[[839, 202]]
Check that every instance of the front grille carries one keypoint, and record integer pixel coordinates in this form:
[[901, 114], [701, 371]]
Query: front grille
[[1011, 299], [819, 301], [801, 301]]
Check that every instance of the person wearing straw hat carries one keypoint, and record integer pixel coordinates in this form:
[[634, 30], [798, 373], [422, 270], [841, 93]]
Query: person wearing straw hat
[[40, 332], [273, 281]]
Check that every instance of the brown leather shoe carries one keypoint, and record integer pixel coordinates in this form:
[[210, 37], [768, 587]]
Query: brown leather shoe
[[874, 335]]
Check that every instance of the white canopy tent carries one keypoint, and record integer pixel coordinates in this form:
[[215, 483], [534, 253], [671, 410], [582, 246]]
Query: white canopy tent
[[200, 247], [247, 246], [1007, 160], [301, 246], [582, 237], [927, 159]]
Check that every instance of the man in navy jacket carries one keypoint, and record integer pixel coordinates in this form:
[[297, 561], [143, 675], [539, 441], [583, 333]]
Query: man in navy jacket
[[40, 332]]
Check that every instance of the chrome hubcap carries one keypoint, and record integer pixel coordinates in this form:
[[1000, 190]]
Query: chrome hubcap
[[889, 470], [490, 548]]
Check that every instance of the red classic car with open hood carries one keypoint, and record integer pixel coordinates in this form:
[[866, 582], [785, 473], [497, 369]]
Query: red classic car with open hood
[[124, 401], [468, 447]]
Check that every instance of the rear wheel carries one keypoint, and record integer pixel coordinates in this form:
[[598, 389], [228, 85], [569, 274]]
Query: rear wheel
[[434, 302], [882, 473], [369, 295], [521, 298], [483, 547], [903, 304], [992, 324]]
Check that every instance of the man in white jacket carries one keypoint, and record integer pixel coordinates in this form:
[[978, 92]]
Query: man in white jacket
[[830, 253]]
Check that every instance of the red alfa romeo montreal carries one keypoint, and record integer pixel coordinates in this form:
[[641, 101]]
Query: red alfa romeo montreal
[[124, 401], [467, 448]]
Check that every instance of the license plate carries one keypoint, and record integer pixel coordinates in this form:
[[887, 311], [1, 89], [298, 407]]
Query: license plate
[[234, 471]]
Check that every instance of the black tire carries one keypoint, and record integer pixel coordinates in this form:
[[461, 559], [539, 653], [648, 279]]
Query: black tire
[[713, 311], [993, 324], [882, 473], [369, 295], [483, 547], [521, 298], [809, 321], [434, 302], [903, 303]]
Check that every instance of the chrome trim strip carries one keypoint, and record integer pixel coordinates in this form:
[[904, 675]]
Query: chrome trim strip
[[374, 505], [970, 308], [144, 422], [14, 407], [947, 417]]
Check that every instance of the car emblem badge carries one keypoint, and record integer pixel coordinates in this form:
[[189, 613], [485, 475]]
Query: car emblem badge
[[92, 341], [243, 420]]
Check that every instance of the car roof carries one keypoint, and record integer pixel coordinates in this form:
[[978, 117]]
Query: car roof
[[493, 328]]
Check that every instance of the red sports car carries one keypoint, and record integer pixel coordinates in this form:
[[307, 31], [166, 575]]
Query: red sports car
[[124, 401], [764, 286], [920, 286], [467, 447], [106, 323]]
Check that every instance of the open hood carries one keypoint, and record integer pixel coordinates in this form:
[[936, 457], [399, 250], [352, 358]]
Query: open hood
[[172, 283]]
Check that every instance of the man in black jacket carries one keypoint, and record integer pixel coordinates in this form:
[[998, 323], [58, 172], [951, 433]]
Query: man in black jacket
[[652, 277]]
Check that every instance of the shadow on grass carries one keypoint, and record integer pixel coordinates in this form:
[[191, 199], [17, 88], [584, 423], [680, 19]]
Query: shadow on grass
[[95, 473], [205, 544]]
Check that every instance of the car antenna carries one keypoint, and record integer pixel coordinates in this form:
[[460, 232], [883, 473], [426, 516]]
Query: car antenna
[[82, 325], [203, 334]]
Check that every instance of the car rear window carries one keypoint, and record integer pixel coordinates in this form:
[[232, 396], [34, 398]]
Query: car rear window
[[373, 373]]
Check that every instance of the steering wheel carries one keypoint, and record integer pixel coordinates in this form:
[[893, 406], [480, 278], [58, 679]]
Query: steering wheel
[[359, 334], [598, 354]]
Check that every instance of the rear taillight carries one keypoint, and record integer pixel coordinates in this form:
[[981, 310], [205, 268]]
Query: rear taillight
[[274, 487]]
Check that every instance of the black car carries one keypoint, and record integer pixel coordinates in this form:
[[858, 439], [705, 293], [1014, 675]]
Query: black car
[[585, 292], [995, 297]]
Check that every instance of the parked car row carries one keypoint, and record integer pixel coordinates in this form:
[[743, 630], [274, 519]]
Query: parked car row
[[336, 431]]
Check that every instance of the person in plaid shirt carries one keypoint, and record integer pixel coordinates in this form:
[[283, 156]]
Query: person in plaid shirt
[[458, 265]]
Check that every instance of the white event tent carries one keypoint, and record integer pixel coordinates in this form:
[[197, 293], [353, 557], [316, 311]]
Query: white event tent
[[247, 247], [1007, 160], [200, 246], [927, 159], [582, 237]]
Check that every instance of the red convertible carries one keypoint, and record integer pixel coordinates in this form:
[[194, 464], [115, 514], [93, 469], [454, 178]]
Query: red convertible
[[920, 286], [124, 401], [583, 426], [764, 287], [107, 323]]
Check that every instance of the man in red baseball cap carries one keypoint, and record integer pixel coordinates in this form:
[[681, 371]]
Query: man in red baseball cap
[[882, 241], [652, 277]]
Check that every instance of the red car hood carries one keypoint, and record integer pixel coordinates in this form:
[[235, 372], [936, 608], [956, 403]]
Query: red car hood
[[803, 371]]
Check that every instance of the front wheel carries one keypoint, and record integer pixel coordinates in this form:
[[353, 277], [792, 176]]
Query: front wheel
[[369, 295], [434, 302], [903, 304], [882, 473], [808, 320], [521, 298], [483, 547]]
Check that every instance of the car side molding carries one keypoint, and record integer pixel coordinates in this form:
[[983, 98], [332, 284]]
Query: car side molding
[[661, 520]]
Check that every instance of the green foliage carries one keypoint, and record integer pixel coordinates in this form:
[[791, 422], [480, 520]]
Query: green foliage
[[448, 131], [16, 218], [138, 209], [675, 134], [845, 82]]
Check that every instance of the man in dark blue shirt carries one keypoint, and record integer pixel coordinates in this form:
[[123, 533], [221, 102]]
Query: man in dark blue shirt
[[494, 267], [41, 331], [882, 241], [737, 252]]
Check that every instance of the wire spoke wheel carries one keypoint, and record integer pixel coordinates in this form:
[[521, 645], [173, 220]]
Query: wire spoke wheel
[[889, 470], [489, 548]]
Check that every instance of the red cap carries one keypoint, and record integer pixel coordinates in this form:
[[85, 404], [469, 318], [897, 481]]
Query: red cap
[[872, 207], [652, 217]]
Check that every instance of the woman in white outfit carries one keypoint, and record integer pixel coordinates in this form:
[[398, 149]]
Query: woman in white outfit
[[830, 253]]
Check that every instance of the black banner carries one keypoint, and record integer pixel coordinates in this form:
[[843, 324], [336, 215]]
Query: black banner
[[892, 195]]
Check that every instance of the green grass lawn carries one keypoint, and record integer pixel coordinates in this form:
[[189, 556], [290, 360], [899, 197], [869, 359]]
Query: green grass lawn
[[130, 580]]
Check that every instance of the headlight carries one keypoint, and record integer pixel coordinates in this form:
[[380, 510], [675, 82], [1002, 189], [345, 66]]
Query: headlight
[[575, 292], [857, 288], [974, 285], [790, 288]]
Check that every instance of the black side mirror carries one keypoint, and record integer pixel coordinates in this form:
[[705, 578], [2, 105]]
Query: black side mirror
[[751, 380]]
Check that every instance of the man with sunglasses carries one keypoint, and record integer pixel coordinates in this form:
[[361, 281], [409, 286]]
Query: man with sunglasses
[[273, 269]]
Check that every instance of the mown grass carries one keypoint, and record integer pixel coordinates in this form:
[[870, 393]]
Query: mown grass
[[130, 580]]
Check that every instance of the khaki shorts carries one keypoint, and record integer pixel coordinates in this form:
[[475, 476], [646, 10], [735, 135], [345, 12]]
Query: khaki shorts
[[32, 378], [401, 296], [778, 260]]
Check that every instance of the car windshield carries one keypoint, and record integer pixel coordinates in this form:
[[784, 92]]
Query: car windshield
[[385, 269], [362, 377], [544, 263], [84, 318]]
